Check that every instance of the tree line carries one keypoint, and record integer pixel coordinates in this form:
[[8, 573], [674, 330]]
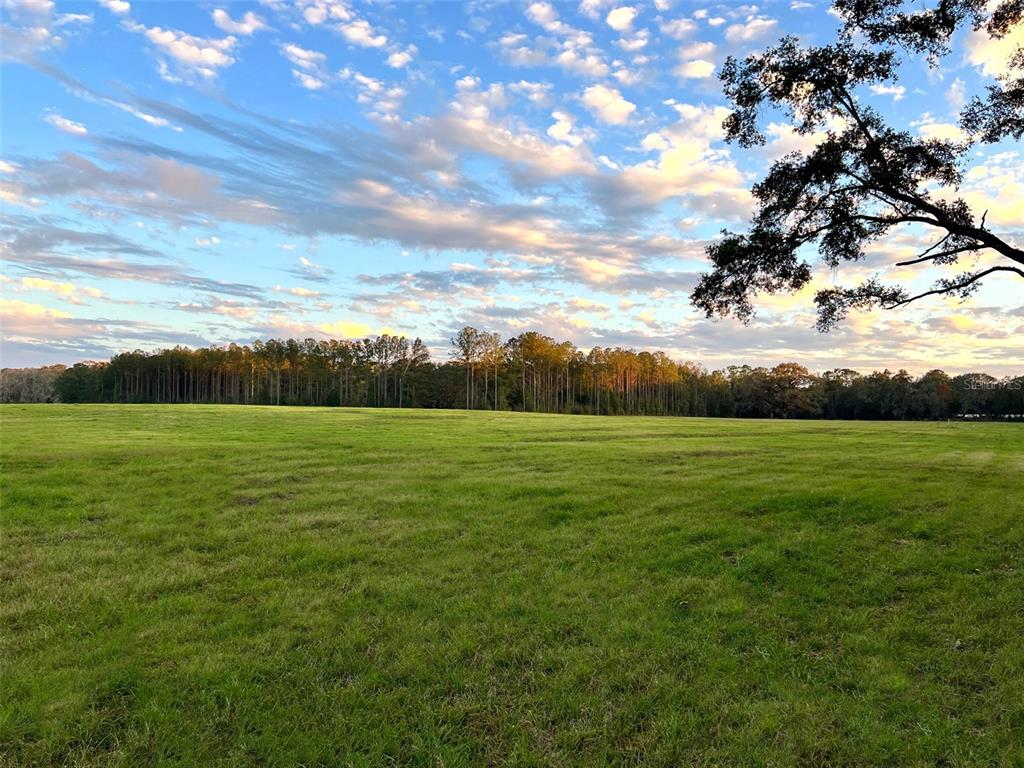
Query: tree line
[[529, 372]]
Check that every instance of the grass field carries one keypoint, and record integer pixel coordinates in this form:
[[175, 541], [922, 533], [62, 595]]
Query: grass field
[[207, 586]]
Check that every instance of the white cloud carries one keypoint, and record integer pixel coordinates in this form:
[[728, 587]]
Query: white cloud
[[472, 128], [785, 139], [303, 57], [588, 64], [143, 116], [592, 8], [635, 43], [696, 69], [119, 7], [361, 33], [308, 66], [754, 28], [14, 194], [30, 27], [316, 12], [400, 59], [940, 130], [533, 237], [698, 50], [23, 319], [608, 104], [626, 76], [957, 95], [302, 293], [383, 100], [193, 55], [678, 28], [347, 329], [310, 270], [309, 82], [249, 24], [992, 56], [63, 124], [687, 167], [996, 185], [621, 19], [70, 292], [30, 8], [73, 18], [655, 142], [573, 50], [538, 93], [561, 129], [695, 61], [896, 91], [545, 15]]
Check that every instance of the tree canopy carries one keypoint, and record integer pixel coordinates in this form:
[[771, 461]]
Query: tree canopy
[[865, 178], [528, 372]]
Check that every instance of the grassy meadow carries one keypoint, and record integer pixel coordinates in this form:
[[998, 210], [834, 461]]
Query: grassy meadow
[[239, 586]]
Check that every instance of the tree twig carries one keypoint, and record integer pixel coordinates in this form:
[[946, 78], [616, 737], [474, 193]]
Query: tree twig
[[955, 287]]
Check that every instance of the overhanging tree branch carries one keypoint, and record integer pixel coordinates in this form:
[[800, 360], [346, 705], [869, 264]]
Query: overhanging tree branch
[[952, 287], [939, 255], [868, 177]]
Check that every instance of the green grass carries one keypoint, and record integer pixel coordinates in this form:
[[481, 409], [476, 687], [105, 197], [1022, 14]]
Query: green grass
[[207, 586]]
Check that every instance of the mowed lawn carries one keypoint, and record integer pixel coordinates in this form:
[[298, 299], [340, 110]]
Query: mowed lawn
[[209, 586]]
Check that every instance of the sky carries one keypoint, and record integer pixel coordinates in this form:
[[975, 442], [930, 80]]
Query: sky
[[207, 173]]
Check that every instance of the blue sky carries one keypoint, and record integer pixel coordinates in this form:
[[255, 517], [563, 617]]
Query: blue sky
[[203, 173]]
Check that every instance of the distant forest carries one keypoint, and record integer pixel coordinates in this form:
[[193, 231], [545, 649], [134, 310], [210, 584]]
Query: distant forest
[[530, 372]]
